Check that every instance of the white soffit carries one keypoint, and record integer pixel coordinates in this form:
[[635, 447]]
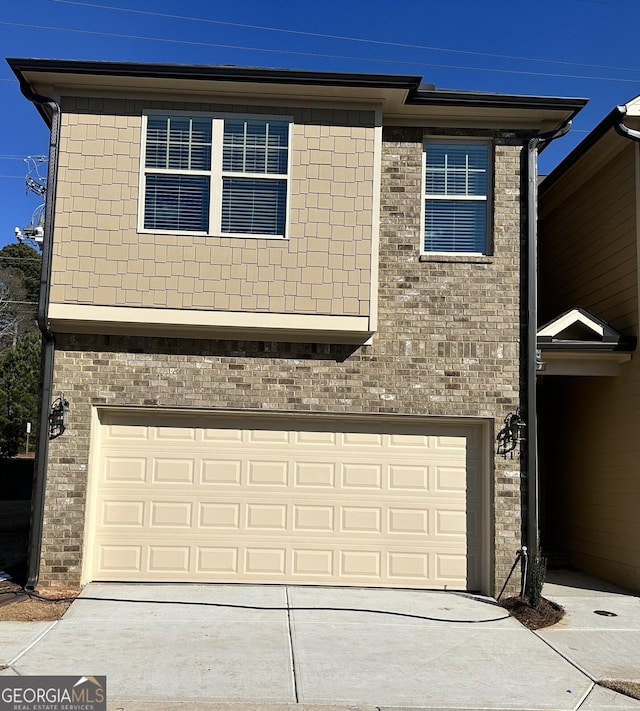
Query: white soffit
[[633, 107]]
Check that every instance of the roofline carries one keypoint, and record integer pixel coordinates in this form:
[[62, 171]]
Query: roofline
[[446, 97], [418, 93], [205, 72], [607, 123], [628, 345]]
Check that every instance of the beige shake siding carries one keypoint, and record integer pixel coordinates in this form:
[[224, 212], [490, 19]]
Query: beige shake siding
[[589, 256], [323, 267]]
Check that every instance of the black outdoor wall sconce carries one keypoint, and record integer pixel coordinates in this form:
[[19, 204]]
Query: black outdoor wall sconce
[[512, 433], [58, 416]]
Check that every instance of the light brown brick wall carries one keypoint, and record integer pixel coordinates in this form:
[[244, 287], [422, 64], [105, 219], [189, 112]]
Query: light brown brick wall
[[324, 267], [448, 344]]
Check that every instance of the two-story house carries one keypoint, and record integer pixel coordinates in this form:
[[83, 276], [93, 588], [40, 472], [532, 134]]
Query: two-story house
[[288, 313]]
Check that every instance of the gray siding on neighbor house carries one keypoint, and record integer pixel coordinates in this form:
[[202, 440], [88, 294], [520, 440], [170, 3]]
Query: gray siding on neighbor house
[[588, 246], [589, 258]]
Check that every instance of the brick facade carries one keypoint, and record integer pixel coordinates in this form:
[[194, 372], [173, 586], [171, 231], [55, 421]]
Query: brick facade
[[448, 343]]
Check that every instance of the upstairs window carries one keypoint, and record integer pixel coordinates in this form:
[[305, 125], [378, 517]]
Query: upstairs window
[[215, 175], [456, 200]]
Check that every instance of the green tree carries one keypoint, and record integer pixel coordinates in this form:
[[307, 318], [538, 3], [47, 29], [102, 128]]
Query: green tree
[[24, 262], [19, 287], [19, 393]]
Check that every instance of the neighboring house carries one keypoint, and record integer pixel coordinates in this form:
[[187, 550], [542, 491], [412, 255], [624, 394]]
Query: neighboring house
[[590, 390], [288, 318]]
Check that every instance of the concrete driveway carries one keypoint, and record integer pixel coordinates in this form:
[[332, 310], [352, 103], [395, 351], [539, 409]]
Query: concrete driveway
[[201, 646]]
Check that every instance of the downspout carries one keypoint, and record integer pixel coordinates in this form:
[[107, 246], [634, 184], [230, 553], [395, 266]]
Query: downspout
[[46, 363], [533, 505]]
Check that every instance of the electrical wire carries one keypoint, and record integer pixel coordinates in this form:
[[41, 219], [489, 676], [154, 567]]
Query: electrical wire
[[3, 259], [431, 65], [345, 38], [233, 606], [32, 303]]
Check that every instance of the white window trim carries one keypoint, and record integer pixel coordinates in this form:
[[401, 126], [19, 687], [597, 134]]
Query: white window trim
[[216, 174], [488, 198]]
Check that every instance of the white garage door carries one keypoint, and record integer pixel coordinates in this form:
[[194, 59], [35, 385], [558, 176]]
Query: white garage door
[[222, 499]]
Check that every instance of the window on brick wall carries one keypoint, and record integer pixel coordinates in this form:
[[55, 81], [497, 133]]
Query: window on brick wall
[[456, 196], [220, 175]]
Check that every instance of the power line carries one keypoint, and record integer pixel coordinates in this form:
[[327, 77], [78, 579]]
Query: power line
[[345, 38], [95, 33], [4, 258], [32, 303]]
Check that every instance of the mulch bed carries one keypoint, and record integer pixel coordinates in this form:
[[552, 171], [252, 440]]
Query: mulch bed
[[547, 613], [17, 606]]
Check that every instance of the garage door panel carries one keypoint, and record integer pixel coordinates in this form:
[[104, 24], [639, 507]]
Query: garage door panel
[[120, 470], [320, 439], [264, 437], [276, 504], [451, 523], [174, 434], [135, 432], [171, 514], [254, 560], [361, 476], [409, 477], [267, 473], [173, 471], [222, 472], [323, 517], [315, 474], [217, 563], [164, 559], [122, 559], [122, 513], [450, 566], [218, 514], [313, 518], [222, 435], [404, 521], [450, 478]]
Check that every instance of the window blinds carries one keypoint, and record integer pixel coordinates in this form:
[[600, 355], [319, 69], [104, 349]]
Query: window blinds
[[456, 190]]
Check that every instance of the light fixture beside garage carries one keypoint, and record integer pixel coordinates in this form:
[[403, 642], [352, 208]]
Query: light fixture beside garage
[[511, 434], [58, 416]]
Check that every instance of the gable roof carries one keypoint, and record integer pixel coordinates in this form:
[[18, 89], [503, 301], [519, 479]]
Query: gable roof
[[578, 329]]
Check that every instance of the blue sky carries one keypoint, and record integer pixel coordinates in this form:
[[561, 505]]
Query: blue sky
[[584, 48]]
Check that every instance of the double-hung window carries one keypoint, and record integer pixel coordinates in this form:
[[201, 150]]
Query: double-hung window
[[457, 197], [220, 175]]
